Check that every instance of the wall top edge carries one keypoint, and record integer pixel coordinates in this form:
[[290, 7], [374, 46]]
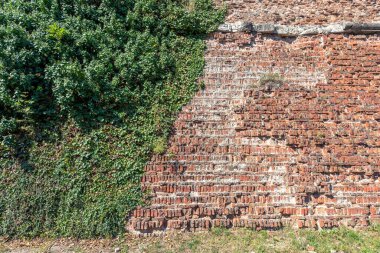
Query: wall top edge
[[291, 31]]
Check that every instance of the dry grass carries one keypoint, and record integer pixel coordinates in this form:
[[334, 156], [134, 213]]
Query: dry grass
[[218, 240]]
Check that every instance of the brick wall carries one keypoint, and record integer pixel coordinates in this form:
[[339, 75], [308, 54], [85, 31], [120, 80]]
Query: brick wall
[[301, 12], [303, 151]]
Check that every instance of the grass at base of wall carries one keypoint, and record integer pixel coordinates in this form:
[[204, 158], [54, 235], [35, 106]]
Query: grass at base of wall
[[219, 240]]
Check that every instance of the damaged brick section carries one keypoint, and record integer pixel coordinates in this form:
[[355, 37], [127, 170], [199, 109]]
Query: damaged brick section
[[303, 154]]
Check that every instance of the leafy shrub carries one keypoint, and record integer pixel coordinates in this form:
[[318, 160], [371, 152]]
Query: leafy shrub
[[86, 87]]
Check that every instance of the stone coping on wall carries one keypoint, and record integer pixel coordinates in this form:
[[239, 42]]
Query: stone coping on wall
[[292, 31]]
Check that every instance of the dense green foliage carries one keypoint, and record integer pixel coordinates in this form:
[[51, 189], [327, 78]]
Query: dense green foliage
[[88, 89]]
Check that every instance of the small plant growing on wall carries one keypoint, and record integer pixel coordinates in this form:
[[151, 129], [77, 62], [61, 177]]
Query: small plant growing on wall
[[320, 139], [271, 81], [320, 135]]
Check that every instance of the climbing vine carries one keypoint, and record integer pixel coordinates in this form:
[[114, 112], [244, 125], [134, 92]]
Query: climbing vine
[[88, 91]]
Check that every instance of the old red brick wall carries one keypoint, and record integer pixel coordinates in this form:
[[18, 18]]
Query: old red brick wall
[[301, 12], [300, 151], [251, 154]]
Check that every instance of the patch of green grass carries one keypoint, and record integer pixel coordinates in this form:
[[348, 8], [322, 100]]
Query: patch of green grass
[[243, 240], [220, 231], [193, 244], [286, 240]]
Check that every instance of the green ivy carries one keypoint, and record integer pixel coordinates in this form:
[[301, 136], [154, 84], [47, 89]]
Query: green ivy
[[88, 90]]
